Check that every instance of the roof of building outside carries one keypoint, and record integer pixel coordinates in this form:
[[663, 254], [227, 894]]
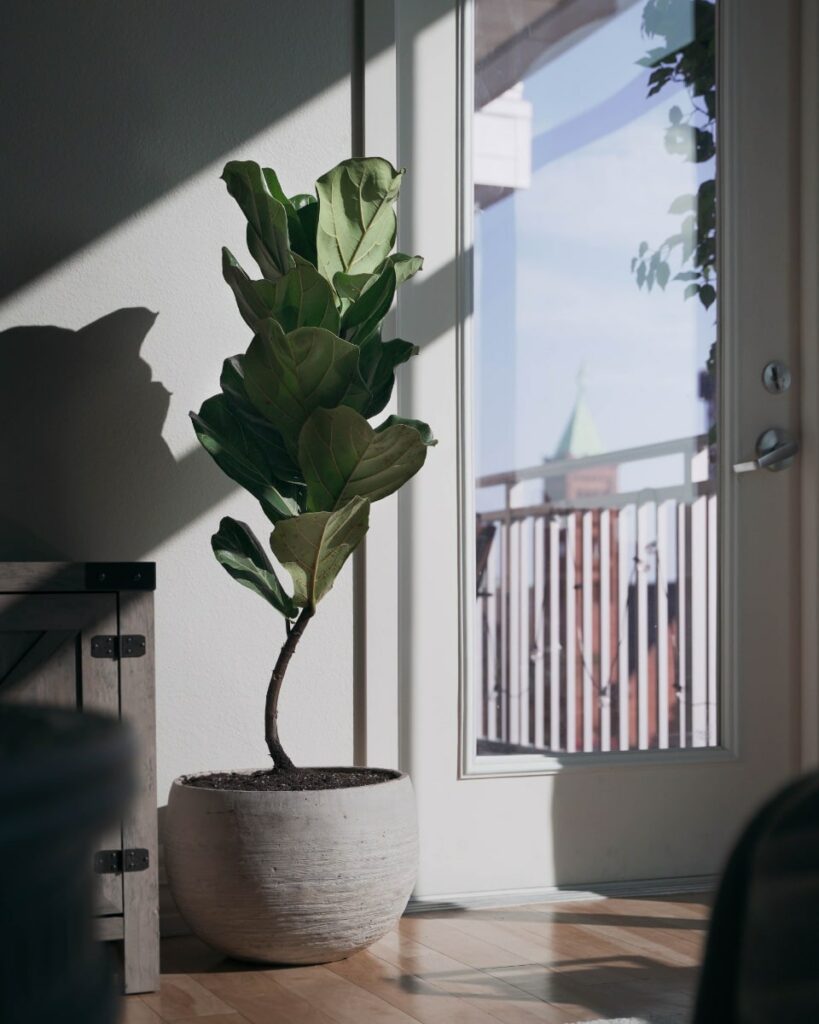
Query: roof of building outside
[[580, 436]]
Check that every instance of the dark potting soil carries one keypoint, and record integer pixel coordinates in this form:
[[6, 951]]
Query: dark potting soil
[[293, 779]]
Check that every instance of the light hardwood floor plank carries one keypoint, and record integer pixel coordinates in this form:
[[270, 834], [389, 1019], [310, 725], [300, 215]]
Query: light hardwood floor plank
[[338, 998], [258, 997], [134, 1011], [417, 997], [534, 964], [180, 996]]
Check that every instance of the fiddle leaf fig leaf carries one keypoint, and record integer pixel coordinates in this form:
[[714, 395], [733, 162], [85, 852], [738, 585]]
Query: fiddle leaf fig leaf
[[307, 210], [364, 315], [342, 457], [254, 298], [314, 546], [299, 298], [302, 240], [423, 428], [267, 233], [405, 266], [244, 558], [232, 383], [243, 457], [370, 391], [356, 218], [287, 376]]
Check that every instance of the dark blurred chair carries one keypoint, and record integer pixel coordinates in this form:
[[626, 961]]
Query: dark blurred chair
[[762, 956], [64, 776]]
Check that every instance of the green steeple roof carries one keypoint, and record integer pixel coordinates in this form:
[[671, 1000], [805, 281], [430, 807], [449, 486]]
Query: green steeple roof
[[580, 436]]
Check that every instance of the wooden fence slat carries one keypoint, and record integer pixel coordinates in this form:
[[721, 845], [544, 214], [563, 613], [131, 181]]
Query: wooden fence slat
[[554, 634], [514, 634], [642, 624], [682, 622], [491, 613], [540, 629], [605, 630], [699, 622], [713, 563], [624, 579], [503, 613], [571, 635], [524, 634], [663, 554], [587, 593]]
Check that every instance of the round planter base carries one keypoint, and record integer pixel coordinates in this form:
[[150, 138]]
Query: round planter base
[[284, 877]]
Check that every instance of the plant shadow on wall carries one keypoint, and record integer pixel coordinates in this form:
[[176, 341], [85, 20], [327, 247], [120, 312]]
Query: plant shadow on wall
[[86, 472]]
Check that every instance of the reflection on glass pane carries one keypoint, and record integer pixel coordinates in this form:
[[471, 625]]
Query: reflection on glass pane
[[595, 392]]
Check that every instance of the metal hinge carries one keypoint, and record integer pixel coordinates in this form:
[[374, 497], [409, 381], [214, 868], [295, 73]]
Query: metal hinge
[[114, 862], [132, 646]]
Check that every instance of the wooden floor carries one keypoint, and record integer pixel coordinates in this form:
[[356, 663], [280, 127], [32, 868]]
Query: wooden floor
[[548, 962]]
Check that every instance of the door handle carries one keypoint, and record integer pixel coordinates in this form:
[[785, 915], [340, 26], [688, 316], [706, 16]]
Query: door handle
[[775, 450]]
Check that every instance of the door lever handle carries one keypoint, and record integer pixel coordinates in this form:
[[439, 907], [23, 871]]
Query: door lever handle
[[775, 450]]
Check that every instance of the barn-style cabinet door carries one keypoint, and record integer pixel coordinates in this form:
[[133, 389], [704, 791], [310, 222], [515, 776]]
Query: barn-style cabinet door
[[64, 646]]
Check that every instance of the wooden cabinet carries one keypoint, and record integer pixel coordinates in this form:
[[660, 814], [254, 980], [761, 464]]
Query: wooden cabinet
[[81, 635]]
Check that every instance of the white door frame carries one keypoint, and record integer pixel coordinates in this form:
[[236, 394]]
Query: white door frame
[[430, 314]]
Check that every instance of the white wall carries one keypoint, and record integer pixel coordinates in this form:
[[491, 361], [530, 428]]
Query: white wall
[[125, 114]]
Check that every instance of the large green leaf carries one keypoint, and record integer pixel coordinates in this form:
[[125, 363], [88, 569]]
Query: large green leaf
[[350, 286], [239, 453], [423, 428], [238, 550], [267, 236], [405, 266], [364, 314], [307, 210], [370, 391], [302, 240], [232, 383], [300, 298], [314, 546], [287, 376], [342, 457], [356, 221]]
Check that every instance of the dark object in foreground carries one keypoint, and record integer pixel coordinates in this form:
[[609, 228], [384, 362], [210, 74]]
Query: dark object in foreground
[[762, 957], [295, 780], [63, 777]]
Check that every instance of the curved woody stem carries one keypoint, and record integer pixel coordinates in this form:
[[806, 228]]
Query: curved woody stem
[[281, 760]]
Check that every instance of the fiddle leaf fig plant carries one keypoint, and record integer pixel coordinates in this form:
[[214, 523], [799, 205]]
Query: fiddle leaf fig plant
[[290, 424]]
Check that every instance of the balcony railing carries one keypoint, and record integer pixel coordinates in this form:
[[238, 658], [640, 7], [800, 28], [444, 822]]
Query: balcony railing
[[597, 616]]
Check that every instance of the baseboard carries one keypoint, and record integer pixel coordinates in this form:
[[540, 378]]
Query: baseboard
[[562, 894]]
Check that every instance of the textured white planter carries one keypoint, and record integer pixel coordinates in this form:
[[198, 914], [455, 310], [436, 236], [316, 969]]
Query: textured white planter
[[292, 877]]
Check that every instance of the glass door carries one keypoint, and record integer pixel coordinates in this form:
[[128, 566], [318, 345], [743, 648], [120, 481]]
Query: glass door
[[594, 378], [598, 614]]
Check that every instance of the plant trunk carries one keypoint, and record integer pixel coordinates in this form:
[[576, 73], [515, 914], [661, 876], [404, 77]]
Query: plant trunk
[[271, 709]]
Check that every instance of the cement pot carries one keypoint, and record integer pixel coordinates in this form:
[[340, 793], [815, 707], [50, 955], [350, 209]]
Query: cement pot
[[292, 877]]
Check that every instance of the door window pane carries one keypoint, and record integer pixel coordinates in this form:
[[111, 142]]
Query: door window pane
[[595, 320]]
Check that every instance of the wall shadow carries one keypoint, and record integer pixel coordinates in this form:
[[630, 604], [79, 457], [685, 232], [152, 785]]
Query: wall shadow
[[108, 106], [86, 473]]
